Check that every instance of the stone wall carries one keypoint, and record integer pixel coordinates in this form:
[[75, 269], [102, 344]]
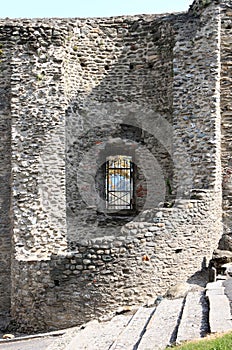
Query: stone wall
[[226, 115], [196, 102], [82, 89], [38, 140], [5, 173], [163, 248], [119, 81]]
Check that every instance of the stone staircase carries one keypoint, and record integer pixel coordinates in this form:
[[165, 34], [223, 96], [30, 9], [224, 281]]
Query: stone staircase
[[219, 307], [154, 328], [149, 328]]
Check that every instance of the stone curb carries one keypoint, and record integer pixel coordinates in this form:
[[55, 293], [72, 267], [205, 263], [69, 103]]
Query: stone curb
[[33, 336]]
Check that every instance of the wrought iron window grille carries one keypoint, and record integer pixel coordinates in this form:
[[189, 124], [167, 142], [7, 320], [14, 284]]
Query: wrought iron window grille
[[119, 184]]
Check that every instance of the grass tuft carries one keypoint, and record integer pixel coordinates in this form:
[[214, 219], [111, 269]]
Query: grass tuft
[[212, 342]]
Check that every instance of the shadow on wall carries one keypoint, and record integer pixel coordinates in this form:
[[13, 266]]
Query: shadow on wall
[[201, 277], [5, 175], [121, 93]]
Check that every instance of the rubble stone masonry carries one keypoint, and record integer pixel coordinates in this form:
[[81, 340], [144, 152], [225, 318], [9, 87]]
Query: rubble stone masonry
[[75, 91]]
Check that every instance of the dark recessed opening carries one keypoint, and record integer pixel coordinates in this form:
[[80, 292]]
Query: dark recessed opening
[[57, 283], [179, 250]]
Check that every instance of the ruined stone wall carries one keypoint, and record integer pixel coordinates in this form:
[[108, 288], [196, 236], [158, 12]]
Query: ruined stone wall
[[5, 173], [37, 146], [86, 88], [165, 247], [196, 101], [38, 140], [226, 114], [119, 82]]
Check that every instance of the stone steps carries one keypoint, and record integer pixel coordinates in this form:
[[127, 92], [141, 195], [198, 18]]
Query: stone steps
[[133, 333], [193, 322], [154, 328], [219, 308], [97, 335], [161, 329]]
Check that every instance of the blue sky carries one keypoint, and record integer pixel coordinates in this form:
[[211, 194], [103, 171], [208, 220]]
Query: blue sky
[[88, 8]]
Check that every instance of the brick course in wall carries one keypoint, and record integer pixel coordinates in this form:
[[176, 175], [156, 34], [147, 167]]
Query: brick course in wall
[[79, 90]]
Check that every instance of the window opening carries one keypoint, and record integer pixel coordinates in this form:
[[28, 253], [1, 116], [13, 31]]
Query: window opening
[[119, 182]]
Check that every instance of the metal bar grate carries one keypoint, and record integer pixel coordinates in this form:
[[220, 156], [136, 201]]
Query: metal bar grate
[[119, 182]]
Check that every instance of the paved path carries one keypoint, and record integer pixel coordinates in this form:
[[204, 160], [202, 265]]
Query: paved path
[[30, 344]]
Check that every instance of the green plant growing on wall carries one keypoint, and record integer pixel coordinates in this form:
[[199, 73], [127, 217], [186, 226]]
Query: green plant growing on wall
[[75, 48]]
